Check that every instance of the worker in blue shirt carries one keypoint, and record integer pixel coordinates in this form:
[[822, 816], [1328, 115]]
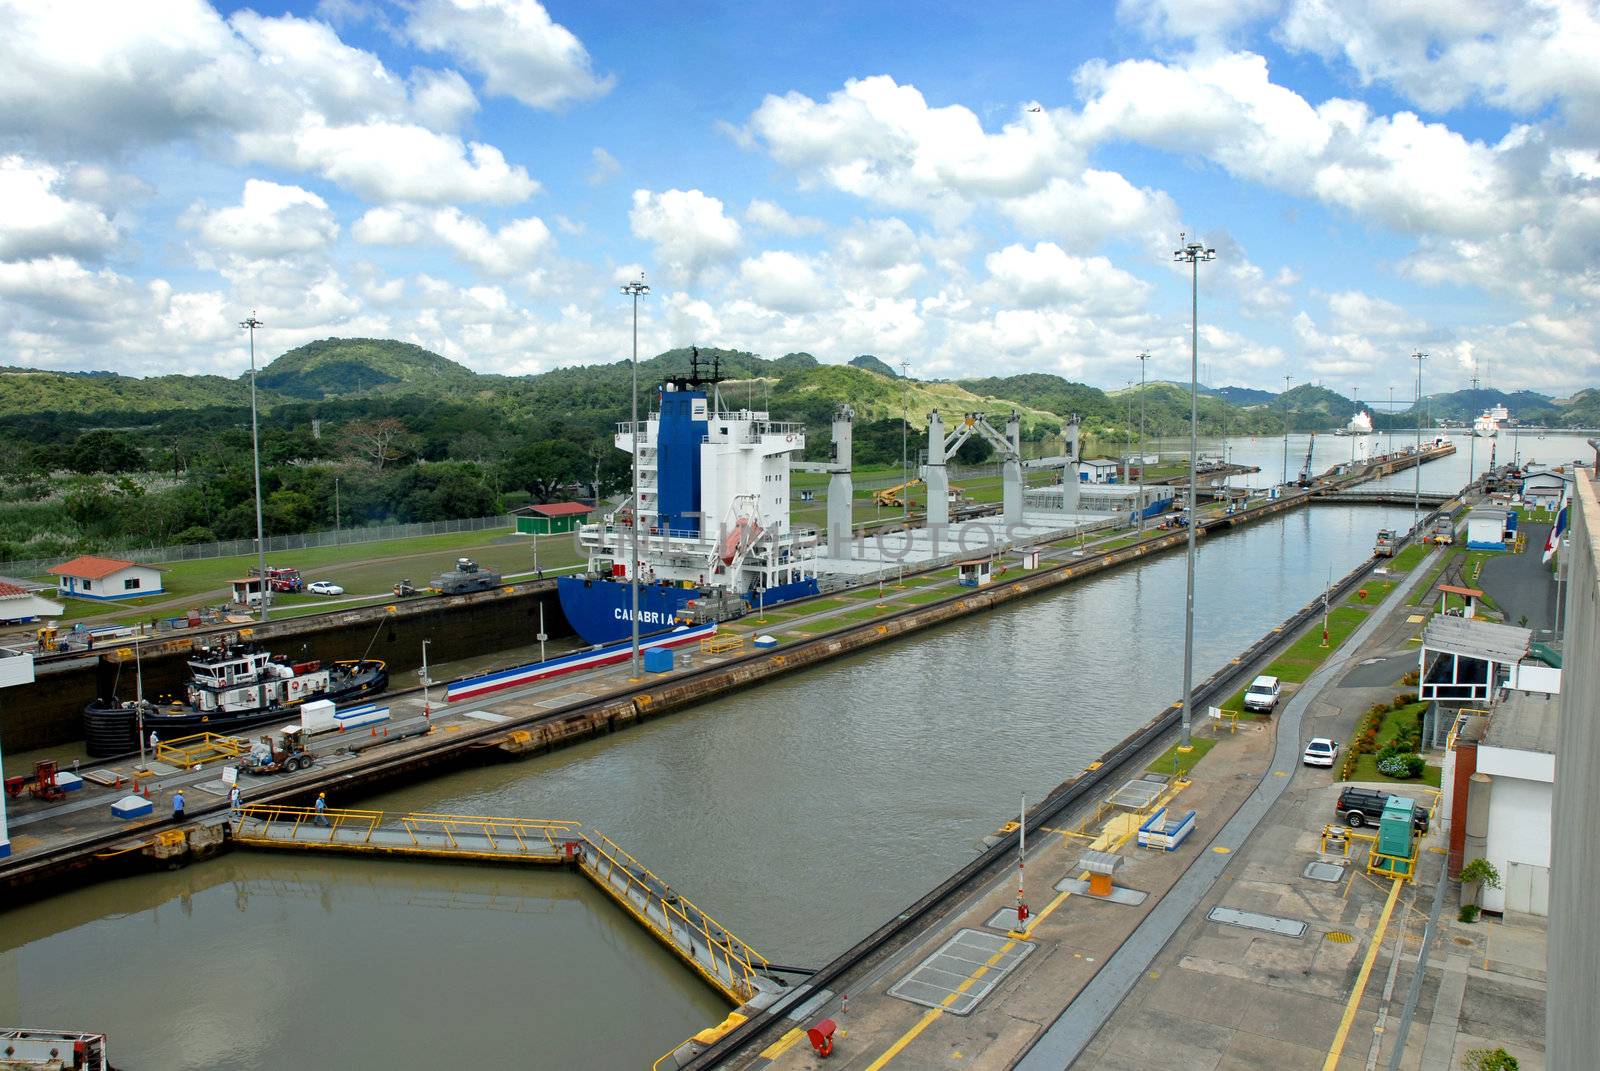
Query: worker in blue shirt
[[321, 817], [177, 805]]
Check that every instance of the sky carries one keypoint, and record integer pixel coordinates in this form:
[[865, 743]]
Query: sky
[[963, 189]]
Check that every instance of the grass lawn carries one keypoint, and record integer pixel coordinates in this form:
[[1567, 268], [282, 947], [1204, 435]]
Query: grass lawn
[[1164, 764], [1377, 591], [917, 598], [1424, 589], [1409, 558], [1307, 653], [362, 568], [1366, 768]]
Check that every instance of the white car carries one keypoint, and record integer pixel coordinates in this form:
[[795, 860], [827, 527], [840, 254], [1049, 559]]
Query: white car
[[1263, 694], [324, 587], [1321, 752]]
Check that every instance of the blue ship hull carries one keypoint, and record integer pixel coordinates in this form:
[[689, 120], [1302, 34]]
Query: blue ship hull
[[600, 611]]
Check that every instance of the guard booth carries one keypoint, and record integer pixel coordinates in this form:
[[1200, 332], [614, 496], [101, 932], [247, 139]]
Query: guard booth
[[975, 573], [1470, 596], [247, 591]]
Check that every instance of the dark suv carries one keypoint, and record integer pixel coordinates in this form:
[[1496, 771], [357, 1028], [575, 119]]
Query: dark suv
[[1364, 806]]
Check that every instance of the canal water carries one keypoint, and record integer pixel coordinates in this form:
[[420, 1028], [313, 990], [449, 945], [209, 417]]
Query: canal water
[[801, 814]]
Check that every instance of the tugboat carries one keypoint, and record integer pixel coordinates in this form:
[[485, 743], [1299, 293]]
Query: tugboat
[[712, 508], [230, 688]]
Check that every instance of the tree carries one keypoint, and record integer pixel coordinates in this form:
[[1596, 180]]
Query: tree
[[378, 441], [1489, 1060], [104, 451], [542, 467], [1481, 874]]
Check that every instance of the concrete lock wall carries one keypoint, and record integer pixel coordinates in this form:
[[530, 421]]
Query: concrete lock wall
[[1572, 1029]]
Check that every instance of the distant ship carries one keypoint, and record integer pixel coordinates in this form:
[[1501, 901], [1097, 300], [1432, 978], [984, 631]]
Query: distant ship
[[1488, 422], [713, 516], [1360, 424]]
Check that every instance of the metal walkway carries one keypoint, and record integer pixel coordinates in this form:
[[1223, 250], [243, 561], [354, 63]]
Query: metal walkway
[[727, 963]]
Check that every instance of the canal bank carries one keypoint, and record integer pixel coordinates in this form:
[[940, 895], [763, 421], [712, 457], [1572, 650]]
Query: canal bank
[[541, 723], [897, 1001], [790, 810]]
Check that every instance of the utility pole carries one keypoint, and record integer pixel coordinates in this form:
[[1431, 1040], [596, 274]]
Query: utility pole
[[1192, 253], [1143, 357], [255, 449], [635, 290], [336, 524], [905, 455], [1416, 501], [1391, 419], [1286, 431]]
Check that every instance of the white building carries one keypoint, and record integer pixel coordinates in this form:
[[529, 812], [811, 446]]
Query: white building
[[1486, 529], [1545, 488], [1099, 470], [22, 601], [106, 579], [1517, 752]]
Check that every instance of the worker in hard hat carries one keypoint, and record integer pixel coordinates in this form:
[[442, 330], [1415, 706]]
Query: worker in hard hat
[[321, 817]]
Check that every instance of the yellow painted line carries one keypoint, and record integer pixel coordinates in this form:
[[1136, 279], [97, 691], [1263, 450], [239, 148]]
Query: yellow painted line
[[783, 1044], [905, 1039], [1354, 1003]]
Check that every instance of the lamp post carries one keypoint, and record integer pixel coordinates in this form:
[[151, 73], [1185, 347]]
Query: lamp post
[[1286, 431], [1143, 357], [1356, 396], [1416, 501], [635, 290], [905, 448], [427, 681], [1391, 419], [250, 325], [336, 525], [1193, 253]]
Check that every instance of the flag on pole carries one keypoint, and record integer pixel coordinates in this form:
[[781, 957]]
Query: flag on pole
[[1557, 530]]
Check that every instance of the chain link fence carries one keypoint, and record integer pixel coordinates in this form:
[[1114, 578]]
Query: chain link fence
[[229, 548]]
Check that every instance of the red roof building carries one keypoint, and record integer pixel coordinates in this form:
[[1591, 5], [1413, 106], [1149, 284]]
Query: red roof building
[[550, 517], [106, 579]]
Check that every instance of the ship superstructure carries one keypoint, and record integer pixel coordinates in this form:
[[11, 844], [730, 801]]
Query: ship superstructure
[[713, 518], [1489, 421]]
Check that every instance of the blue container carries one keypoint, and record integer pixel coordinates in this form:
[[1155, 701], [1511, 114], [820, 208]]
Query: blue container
[[658, 660]]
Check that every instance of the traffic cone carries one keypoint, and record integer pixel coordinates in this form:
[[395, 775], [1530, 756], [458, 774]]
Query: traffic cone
[[374, 731]]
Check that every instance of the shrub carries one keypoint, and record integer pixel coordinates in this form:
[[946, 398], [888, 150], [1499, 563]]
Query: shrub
[[1489, 1060], [1468, 913]]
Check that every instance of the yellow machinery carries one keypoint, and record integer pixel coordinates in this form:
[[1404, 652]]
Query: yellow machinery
[[46, 638], [890, 496]]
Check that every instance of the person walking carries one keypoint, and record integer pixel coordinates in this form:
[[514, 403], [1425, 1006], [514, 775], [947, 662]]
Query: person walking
[[177, 806], [321, 817], [154, 740]]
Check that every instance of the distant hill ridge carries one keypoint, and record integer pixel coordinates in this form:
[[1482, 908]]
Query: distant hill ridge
[[796, 384]]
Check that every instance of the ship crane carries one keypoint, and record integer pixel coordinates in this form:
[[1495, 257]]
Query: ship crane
[[942, 447]]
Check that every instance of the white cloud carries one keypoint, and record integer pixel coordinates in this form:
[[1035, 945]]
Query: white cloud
[[1047, 276], [1086, 210], [605, 167], [441, 100], [1515, 55], [1205, 21], [881, 140], [783, 281], [36, 221], [1354, 311], [270, 221], [772, 217], [283, 91], [516, 246], [689, 230], [520, 51]]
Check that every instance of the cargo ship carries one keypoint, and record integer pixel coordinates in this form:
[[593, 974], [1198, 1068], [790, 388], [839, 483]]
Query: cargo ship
[[230, 688], [712, 513]]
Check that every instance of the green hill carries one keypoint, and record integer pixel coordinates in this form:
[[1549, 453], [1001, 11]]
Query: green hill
[[872, 364], [33, 390], [343, 366]]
